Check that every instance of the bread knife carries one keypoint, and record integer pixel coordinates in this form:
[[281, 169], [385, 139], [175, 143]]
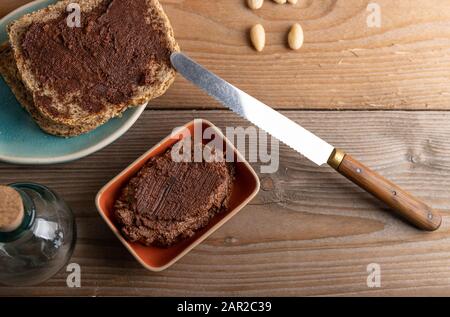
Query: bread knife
[[306, 143]]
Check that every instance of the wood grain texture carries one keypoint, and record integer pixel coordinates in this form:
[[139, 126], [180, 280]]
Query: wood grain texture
[[9, 5], [309, 231], [412, 209], [343, 64]]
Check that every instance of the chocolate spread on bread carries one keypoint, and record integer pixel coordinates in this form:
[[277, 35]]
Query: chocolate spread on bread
[[168, 201], [117, 49]]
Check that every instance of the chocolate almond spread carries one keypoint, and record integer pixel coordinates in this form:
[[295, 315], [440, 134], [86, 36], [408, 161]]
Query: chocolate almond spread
[[168, 201], [118, 48]]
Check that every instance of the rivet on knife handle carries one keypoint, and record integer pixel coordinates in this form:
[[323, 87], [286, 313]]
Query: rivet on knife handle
[[403, 203]]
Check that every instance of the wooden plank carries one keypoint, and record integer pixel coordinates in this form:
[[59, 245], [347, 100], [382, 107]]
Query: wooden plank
[[9, 5], [308, 232], [344, 64]]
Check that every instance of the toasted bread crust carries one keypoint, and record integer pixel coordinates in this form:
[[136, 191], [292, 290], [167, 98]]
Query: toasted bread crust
[[77, 116], [10, 73]]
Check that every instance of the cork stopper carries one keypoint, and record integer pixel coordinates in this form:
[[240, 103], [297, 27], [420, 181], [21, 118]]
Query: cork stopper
[[11, 209]]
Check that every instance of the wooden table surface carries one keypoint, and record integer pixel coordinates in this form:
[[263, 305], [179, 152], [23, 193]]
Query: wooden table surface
[[309, 231]]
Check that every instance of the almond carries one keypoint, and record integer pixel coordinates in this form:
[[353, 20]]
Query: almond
[[255, 4], [280, 1], [296, 37], [292, 1], [258, 37]]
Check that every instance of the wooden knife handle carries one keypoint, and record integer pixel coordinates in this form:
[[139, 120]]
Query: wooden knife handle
[[409, 207]]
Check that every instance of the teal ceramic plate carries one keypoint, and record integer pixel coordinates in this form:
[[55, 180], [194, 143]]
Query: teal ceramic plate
[[21, 140]]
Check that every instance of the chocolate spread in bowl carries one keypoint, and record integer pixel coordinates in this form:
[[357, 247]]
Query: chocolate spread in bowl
[[168, 201], [119, 46]]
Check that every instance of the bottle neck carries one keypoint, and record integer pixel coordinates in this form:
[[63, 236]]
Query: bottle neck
[[27, 221]]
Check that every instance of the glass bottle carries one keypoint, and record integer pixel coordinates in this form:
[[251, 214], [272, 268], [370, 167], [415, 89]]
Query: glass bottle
[[42, 242]]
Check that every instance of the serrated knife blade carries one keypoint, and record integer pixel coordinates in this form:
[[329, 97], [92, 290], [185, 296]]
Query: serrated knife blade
[[312, 147], [261, 115]]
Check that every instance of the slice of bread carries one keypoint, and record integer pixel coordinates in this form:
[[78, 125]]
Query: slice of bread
[[8, 70], [69, 109]]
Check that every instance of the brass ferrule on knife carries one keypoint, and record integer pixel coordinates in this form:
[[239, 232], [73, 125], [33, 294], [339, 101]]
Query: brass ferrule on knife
[[336, 158]]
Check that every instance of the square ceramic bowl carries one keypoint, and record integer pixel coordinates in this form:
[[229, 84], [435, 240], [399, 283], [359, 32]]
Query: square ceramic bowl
[[245, 187]]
